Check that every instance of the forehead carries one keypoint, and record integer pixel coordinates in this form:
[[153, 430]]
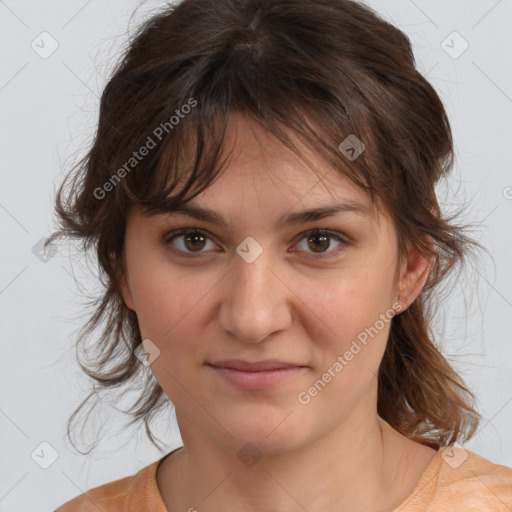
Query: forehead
[[246, 141], [264, 182], [258, 161]]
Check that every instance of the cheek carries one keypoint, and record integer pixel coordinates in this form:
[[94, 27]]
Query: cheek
[[165, 314], [162, 294], [356, 318], [352, 315], [171, 313], [346, 305]]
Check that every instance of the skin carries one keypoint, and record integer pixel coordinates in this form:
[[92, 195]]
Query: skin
[[333, 453]]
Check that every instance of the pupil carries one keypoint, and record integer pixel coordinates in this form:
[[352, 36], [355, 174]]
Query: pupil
[[194, 238], [323, 238]]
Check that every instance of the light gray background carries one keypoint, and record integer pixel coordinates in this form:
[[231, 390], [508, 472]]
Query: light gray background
[[48, 114]]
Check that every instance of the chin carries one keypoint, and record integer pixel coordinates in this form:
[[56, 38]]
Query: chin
[[272, 433]]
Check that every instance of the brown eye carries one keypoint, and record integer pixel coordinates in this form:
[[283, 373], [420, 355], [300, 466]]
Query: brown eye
[[320, 241], [194, 241], [188, 241]]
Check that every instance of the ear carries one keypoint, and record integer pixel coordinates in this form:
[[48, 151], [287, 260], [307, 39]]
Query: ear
[[413, 275], [127, 294], [124, 286]]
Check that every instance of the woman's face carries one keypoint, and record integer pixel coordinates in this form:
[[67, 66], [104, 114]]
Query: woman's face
[[264, 288]]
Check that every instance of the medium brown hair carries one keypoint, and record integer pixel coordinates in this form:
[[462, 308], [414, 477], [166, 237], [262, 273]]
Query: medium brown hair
[[321, 70]]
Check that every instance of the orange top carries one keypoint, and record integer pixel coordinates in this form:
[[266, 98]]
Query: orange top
[[455, 479]]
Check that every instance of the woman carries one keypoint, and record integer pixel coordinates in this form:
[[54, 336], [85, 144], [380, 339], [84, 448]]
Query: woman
[[261, 198]]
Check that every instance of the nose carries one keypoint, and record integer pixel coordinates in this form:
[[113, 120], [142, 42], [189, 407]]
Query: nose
[[255, 300]]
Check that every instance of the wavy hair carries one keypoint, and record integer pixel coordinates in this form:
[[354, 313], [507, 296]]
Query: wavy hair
[[319, 70]]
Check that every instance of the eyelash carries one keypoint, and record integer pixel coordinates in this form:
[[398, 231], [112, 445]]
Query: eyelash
[[318, 232]]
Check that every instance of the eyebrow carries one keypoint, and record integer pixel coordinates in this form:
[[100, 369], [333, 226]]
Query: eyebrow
[[299, 217]]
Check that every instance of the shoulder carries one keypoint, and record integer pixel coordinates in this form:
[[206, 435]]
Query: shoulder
[[138, 490], [467, 480], [109, 497]]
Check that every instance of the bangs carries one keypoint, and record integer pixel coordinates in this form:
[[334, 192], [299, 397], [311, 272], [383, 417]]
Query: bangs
[[194, 153], [181, 106]]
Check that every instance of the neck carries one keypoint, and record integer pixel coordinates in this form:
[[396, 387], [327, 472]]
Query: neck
[[355, 467]]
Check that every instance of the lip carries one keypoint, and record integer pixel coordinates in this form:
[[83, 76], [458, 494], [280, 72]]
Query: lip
[[256, 366], [258, 374]]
